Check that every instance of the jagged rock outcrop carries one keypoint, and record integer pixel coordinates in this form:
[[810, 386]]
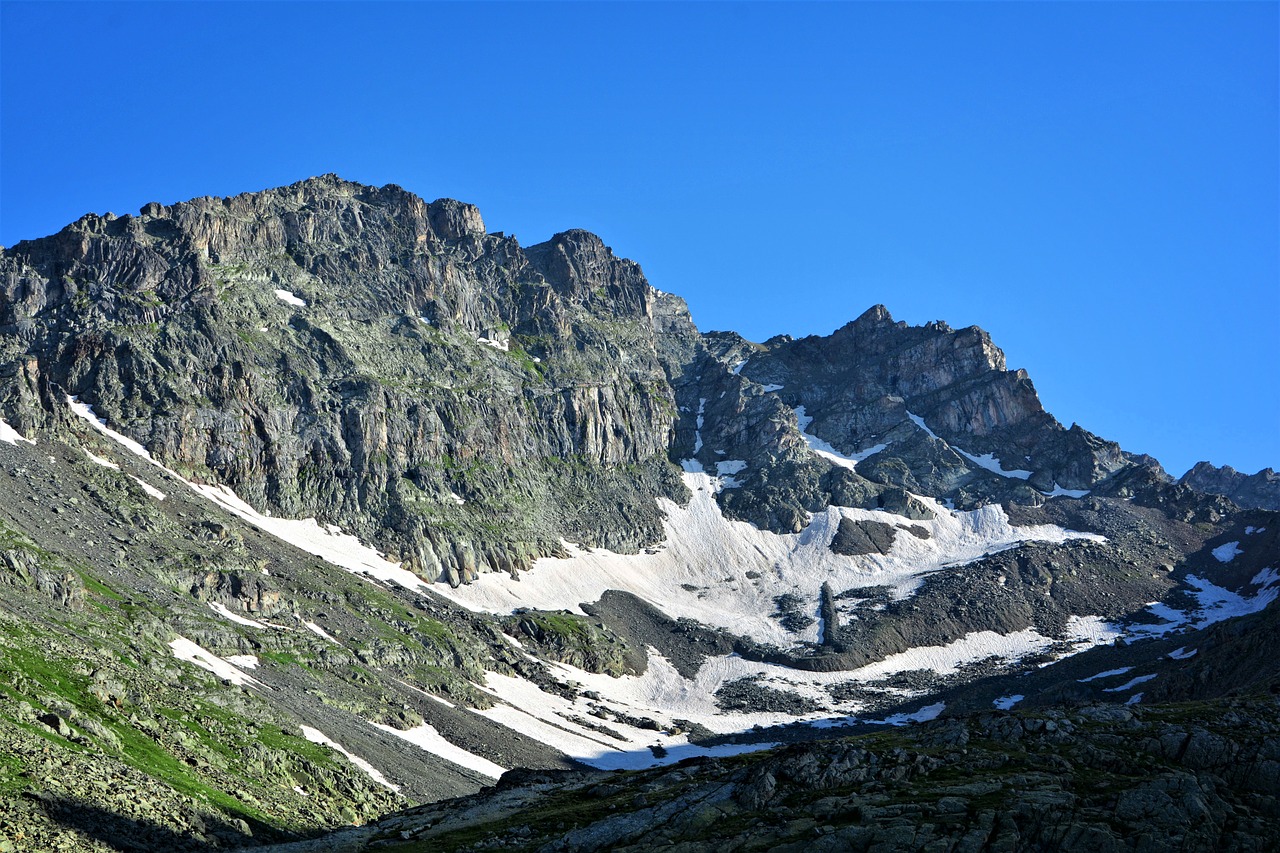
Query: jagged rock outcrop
[[1251, 491], [950, 418]]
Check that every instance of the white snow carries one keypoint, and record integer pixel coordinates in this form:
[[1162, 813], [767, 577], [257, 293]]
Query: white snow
[[661, 693], [1121, 671], [1182, 653], [712, 554], [12, 436], [1059, 492], [924, 715], [1134, 699], [1006, 703], [725, 469], [243, 661], [697, 436], [221, 609], [919, 421], [85, 411], [496, 344], [1250, 530], [317, 736], [425, 737], [457, 499], [292, 299], [550, 718], [826, 450], [329, 543], [1227, 552], [318, 631], [1215, 605], [1129, 685], [98, 460], [148, 488], [184, 649], [737, 368], [772, 387], [992, 464], [986, 460]]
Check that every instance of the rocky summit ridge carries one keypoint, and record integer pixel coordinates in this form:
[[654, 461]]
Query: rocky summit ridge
[[323, 502]]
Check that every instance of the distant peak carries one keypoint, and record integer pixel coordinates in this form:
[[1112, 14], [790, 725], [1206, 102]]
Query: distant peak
[[876, 314]]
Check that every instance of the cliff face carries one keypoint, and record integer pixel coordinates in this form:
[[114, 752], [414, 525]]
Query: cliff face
[[360, 355]]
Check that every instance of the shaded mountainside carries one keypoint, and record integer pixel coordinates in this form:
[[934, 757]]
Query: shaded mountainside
[[1251, 491], [558, 531], [1198, 776]]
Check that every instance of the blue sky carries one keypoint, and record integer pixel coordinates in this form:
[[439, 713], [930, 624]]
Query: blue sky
[[1096, 184]]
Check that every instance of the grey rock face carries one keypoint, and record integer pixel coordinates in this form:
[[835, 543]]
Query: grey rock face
[[1250, 491], [360, 355]]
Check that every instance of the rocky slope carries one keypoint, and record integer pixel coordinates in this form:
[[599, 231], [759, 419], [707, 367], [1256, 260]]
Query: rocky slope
[[1193, 777], [554, 526]]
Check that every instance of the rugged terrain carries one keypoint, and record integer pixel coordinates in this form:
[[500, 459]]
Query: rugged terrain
[[323, 502]]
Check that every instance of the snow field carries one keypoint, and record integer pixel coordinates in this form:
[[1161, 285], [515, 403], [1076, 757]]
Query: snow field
[[713, 554], [1215, 605]]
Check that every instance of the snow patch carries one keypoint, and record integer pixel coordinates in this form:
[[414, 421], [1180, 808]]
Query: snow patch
[[496, 344], [1215, 605], [186, 650], [1227, 552], [697, 435], [826, 450], [98, 460], [1182, 653], [737, 368], [1006, 703], [771, 387], [426, 738], [992, 464], [924, 715], [1059, 492], [290, 298], [1134, 699], [243, 661], [148, 488], [221, 609], [318, 631], [1129, 685], [317, 736], [1121, 671], [11, 436], [986, 460]]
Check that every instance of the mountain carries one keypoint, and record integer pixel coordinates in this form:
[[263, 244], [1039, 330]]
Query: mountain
[[1253, 491], [324, 502]]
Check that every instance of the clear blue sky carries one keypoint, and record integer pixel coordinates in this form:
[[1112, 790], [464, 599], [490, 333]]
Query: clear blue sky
[[1094, 183]]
